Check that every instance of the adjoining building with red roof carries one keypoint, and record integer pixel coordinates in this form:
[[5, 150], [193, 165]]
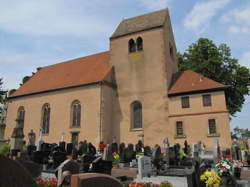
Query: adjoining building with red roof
[[131, 92]]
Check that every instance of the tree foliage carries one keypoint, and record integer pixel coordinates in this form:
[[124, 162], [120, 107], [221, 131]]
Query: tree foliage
[[2, 96], [216, 63], [241, 133]]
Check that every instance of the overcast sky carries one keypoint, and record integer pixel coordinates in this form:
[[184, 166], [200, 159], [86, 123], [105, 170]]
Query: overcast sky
[[38, 33]]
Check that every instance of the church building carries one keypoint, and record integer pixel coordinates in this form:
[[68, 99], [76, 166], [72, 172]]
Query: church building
[[131, 92]]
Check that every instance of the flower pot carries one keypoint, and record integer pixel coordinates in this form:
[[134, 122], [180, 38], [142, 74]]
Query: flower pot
[[237, 172]]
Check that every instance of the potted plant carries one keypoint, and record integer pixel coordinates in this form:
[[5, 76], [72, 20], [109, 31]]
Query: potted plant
[[210, 178], [224, 167], [237, 168], [116, 160]]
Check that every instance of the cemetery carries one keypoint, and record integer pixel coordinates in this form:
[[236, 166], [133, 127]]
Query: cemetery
[[66, 164]]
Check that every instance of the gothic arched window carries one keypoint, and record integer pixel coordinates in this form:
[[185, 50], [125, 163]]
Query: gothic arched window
[[75, 114], [45, 118], [131, 46], [139, 44], [136, 115], [20, 116]]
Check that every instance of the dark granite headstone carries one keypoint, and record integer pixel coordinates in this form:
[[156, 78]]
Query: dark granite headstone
[[114, 147], [129, 153], [139, 147], [156, 156], [58, 158], [92, 149], [122, 152], [62, 146], [13, 174], [83, 148], [69, 148], [147, 151]]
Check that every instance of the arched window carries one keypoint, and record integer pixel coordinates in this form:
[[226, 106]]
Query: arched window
[[75, 114], [45, 118], [131, 46], [20, 116], [136, 115], [139, 44]]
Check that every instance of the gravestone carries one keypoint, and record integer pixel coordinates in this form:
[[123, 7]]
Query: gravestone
[[114, 147], [94, 180], [122, 152], [139, 147], [156, 156], [129, 153], [144, 167], [32, 138], [92, 149], [39, 141], [147, 151], [16, 141], [13, 174]]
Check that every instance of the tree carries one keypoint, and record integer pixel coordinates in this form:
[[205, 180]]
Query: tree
[[216, 63], [241, 133], [2, 98]]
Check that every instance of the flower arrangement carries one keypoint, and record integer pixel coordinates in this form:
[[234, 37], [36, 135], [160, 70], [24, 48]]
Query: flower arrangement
[[237, 164], [224, 166], [116, 159], [150, 184], [211, 178], [47, 182]]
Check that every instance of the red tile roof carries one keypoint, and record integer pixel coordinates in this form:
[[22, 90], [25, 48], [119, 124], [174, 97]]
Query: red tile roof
[[71, 73], [189, 81]]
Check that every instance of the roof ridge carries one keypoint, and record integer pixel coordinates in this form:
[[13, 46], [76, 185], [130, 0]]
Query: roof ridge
[[145, 14], [68, 61]]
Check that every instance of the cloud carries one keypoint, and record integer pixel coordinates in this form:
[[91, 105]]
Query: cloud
[[155, 4], [238, 20], [245, 59], [53, 18], [200, 16]]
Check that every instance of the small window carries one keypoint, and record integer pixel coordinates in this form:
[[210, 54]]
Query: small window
[[45, 118], [206, 100], [136, 115], [185, 102], [76, 114], [139, 43], [179, 128], [131, 46], [171, 51], [212, 126], [20, 116]]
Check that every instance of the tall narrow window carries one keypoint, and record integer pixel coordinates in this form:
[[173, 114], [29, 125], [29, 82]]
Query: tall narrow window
[[212, 126], [185, 102], [76, 114], [136, 115], [131, 46], [206, 100], [45, 118], [179, 128], [139, 44], [171, 51], [20, 116]]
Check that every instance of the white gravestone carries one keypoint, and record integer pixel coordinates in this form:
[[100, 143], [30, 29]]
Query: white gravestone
[[144, 167]]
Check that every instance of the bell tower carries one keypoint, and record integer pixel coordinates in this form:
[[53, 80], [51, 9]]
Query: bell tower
[[143, 53]]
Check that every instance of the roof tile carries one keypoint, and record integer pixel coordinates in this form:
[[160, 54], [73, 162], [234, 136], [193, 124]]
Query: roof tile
[[75, 72], [189, 81]]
